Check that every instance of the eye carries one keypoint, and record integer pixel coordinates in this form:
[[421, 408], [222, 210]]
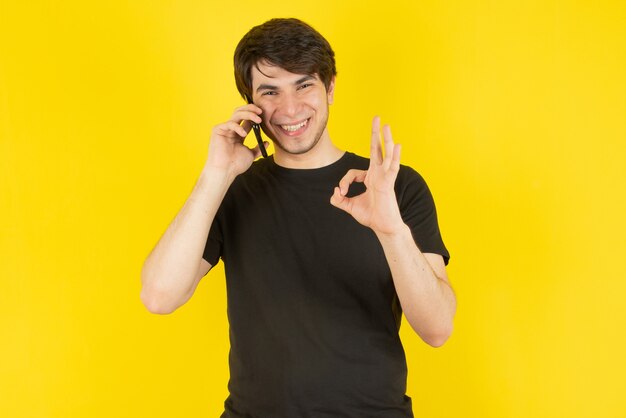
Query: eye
[[305, 85], [268, 93]]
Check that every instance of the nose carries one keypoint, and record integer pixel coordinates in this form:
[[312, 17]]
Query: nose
[[290, 105]]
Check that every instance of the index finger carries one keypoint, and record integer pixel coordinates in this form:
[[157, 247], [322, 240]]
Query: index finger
[[249, 112]]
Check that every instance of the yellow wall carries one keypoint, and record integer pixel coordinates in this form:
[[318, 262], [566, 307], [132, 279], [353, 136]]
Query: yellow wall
[[515, 113]]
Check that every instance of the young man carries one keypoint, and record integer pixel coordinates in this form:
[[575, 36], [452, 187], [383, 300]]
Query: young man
[[323, 249]]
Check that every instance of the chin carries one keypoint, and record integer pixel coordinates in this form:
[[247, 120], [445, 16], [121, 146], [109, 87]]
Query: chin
[[298, 149]]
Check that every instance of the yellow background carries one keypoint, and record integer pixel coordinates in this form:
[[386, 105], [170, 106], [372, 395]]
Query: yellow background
[[515, 113]]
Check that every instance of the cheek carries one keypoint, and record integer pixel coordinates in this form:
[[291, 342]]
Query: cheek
[[268, 110], [318, 102]]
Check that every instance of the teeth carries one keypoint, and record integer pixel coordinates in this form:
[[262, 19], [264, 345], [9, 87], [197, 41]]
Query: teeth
[[293, 128]]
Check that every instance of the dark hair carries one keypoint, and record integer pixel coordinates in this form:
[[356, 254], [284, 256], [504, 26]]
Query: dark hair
[[288, 43]]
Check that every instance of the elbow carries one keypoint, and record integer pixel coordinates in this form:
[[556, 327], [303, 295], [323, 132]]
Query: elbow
[[154, 298], [154, 303], [436, 340], [438, 330], [435, 337]]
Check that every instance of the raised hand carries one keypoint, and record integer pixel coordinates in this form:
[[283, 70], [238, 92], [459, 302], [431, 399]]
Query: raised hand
[[377, 207], [226, 148]]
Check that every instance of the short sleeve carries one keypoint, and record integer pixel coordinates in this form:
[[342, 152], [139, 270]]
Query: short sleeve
[[418, 211]]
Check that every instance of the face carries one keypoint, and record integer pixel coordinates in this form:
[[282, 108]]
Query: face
[[295, 108]]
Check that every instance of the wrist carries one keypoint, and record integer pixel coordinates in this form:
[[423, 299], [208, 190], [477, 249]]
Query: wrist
[[396, 232], [218, 171], [215, 178]]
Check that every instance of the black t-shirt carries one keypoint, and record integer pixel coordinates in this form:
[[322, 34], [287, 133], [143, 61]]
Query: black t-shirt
[[313, 313]]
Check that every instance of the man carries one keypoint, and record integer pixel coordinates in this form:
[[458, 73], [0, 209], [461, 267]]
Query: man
[[323, 249]]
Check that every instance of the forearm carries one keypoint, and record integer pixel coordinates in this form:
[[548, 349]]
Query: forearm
[[427, 300], [170, 273]]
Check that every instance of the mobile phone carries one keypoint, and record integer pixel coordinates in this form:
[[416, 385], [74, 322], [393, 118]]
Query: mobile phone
[[257, 132]]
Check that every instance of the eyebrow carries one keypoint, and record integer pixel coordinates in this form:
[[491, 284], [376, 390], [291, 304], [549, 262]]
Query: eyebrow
[[296, 83]]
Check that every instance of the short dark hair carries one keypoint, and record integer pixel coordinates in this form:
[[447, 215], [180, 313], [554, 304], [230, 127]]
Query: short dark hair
[[287, 43]]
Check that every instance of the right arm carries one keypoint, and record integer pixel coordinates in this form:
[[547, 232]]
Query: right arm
[[175, 266]]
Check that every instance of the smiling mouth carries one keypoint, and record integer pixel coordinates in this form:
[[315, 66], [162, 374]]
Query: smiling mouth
[[294, 128]]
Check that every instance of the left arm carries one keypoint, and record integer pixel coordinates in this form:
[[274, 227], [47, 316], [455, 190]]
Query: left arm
[[420, 279], [421, 282]]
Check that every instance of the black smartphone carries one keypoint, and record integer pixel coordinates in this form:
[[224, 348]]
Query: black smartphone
[[257, 132]]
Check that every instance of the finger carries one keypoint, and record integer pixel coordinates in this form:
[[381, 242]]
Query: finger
[[392, 164], [389, 145], [256, 151], [340, 201], [247, 113], [388, 140], [246, 125], [395, 161], [350, 177], [249, 107], [376, 152], [231, 129]]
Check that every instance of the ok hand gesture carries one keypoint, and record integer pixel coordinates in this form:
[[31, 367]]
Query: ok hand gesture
[[377, 207]]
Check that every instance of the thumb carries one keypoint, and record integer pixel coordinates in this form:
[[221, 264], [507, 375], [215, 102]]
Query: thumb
[[340, 201]]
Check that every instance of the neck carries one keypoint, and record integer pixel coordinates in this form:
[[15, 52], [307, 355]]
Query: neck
[[322, 154]]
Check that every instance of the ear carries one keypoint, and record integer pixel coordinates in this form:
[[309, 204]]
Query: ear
[[330, 93]]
